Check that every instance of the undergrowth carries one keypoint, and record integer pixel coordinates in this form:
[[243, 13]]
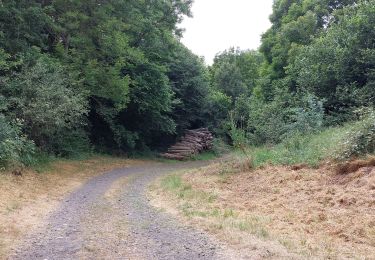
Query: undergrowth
[[311, 149]]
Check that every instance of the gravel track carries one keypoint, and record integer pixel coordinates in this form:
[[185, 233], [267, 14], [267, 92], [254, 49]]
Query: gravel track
[[91, 225]]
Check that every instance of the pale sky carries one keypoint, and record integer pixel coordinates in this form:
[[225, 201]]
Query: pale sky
[[220, 24]]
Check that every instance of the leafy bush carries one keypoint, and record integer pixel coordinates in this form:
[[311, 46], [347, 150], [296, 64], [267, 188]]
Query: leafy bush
[[44, 96], [71, 144], [339, 64], [15, 148], [285, 116], [267, 120], [306, 118], [361, 138], [216, 111], [220, 147]]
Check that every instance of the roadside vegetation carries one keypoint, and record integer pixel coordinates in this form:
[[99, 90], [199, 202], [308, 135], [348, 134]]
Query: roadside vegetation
[[299, 114], [333, 144], [79, 77], [277, 211]]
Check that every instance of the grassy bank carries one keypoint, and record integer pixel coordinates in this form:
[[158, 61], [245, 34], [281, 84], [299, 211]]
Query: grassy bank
[[330, 144], [303, 198], [275, 211]]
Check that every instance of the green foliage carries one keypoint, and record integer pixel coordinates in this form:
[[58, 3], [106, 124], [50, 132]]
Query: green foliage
[[295, 23], [309, 149], [113, 75], [307, 118], [228, 79], [15, 148], [217, 108], [190, 84], [23, 24], [268, 120], [71, 144], [237, 133], [205, 156], [360, 138], [220, 147], [43, 96], [318, 69], [235, 72], [339, 65]]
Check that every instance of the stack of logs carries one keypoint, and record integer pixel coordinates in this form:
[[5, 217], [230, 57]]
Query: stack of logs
[[192, 143]]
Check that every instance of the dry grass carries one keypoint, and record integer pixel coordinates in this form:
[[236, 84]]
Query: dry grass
[[313, 213], [246, 234], [355, 165], [25, 201]]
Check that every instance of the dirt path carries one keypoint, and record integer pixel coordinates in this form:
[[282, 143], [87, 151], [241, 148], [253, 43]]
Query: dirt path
[[110, 218]]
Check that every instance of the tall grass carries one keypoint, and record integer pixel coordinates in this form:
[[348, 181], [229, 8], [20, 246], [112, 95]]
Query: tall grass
[[309, 149]]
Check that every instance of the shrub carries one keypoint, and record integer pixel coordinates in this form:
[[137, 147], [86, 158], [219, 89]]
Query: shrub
[[220, 147], [310, 149], [71, 144], [237, 133], [306, 118], [285, 116], [267, 121], [15, 148], [361, 138], [216, 111], [46, 98]]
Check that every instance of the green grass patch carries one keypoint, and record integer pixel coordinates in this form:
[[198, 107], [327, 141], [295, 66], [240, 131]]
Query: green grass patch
[[308, 149], [253, 225], [174, 183], [199, 204], [205, 156], [42, 162]]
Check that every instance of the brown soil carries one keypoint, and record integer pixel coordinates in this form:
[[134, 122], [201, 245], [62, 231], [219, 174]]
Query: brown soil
[[314, 213], [26, 200], [355, 165]]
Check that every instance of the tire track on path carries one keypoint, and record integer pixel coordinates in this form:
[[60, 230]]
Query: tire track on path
[[90, 225]]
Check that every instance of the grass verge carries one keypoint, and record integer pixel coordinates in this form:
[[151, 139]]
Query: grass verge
[[204, 209], [274, 211], [309, 149]]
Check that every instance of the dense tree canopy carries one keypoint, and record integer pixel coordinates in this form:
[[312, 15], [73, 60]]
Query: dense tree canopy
[[315, 68], [113, 76], [109, 73]]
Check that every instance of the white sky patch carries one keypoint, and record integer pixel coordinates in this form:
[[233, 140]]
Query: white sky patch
[[220, 24]]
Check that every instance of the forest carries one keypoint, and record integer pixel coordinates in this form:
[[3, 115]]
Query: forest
[[78, 77]]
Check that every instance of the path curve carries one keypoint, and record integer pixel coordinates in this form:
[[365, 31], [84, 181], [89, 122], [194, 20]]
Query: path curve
[[90, 224]]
